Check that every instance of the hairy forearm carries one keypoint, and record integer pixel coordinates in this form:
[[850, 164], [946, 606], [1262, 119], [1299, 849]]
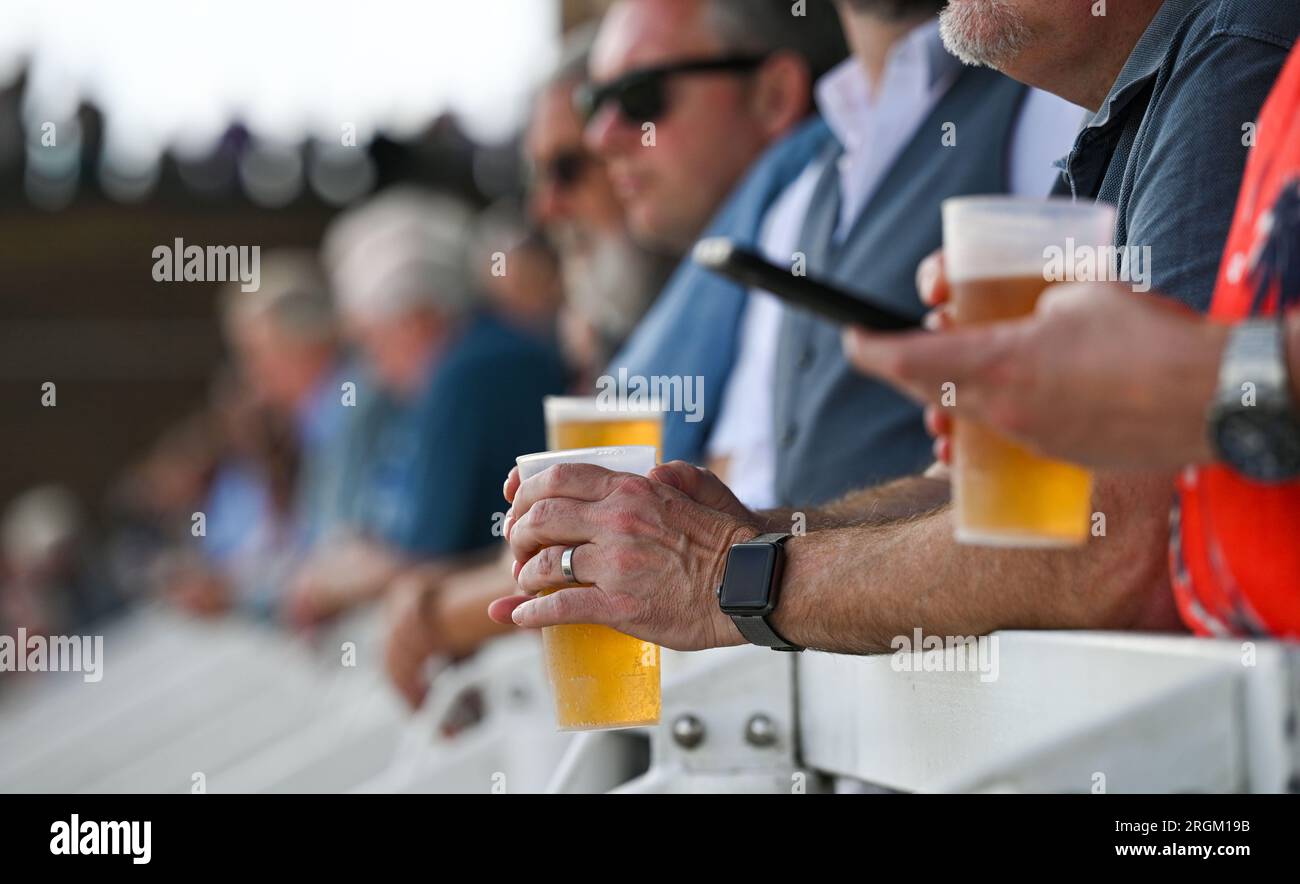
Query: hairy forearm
[[852, 590], [881, 505]]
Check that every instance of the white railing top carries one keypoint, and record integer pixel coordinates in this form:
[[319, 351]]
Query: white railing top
[[1077, 712]]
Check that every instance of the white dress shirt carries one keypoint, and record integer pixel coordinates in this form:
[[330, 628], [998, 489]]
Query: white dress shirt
[[873, 130]]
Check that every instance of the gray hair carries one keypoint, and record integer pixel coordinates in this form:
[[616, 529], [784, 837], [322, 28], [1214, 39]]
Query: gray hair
[[293, 295], [575, 56], [773, 25], [403, 251]]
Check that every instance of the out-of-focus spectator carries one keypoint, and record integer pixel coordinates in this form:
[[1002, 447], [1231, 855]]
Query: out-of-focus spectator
[[50, 581], [150, 507], [467, 388], [247, 539], [609, 280], [287, 340], [519, 272]]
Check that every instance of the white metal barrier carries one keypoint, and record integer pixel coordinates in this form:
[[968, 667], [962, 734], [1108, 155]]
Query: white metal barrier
[[1074, 712]]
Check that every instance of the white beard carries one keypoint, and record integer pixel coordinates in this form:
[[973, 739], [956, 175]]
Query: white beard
[[610, 284], [987, 33]]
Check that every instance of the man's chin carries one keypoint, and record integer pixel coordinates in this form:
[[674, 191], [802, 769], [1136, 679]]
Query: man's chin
[[649, 232]]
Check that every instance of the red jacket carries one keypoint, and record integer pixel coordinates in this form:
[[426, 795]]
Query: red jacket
[[1236, 550]]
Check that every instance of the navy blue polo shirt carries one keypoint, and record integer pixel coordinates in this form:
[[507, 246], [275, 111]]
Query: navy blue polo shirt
[[434, 485], [1169, 145]]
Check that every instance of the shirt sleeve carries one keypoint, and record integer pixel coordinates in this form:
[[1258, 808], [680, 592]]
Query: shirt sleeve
[[1191, 164], [486, 413]]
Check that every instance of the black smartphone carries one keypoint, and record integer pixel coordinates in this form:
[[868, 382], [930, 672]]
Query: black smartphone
[[721, 255]]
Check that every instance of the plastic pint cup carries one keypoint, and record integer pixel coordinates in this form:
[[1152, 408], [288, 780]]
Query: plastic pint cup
[[600, 678], [1000, 255]]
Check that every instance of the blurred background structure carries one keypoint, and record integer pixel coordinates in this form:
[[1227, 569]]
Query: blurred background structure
[[240, 122]]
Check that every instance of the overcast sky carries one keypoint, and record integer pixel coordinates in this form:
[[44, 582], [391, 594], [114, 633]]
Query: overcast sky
[[176, 72]]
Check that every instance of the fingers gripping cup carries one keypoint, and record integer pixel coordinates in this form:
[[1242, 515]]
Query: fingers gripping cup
[[1001, 254], [600, 678]]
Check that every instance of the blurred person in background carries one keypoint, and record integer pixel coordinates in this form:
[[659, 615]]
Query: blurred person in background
[[519, 272], [290, 376], [150, 507], [51, 582], [289, 346], [701, 110], [466, 390], [247, 543], [609, 280]]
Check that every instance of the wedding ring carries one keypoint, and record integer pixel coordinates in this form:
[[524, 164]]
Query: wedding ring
[[566, 565]]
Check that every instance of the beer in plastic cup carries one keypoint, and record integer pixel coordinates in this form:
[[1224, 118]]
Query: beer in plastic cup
[[600, 678], [1000, 255], [576, 422]]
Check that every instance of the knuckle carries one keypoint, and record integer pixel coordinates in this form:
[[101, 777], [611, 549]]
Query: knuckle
[[542, 511], [636, 487], [560, 474]]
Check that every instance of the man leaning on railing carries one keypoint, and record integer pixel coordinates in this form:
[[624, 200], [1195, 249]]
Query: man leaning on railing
[[649, 554]]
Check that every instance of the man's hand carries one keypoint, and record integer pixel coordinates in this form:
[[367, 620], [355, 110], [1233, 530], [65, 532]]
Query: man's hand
[[349, 573], [1098, 375], [649, 558], [436, 612], [413, 634], [200, 592]]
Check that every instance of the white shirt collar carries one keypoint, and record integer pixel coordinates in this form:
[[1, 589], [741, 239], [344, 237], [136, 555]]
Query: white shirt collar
[[918, 67]]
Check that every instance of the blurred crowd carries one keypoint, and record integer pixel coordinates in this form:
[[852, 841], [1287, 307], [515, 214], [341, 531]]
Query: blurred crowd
[[378, 390]]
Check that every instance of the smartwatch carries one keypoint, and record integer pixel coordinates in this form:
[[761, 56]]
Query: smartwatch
[[750, 587], [1254, 426]]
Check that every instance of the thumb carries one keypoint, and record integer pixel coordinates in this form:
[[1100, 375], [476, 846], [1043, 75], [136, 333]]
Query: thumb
[[701, 486]]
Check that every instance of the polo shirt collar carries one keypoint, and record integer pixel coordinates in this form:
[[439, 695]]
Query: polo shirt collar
[[1146, 59]]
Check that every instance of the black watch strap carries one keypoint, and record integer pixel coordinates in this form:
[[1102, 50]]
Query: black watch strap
[[756, 630]]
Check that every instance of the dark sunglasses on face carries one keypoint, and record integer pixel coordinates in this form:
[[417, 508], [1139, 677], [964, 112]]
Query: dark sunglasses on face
[[563, 170], [642, 95]]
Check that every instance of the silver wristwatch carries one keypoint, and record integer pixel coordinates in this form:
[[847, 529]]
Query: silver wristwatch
[[1254, 424]]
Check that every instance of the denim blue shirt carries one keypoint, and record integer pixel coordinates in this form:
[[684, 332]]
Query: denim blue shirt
[[1169, 145]]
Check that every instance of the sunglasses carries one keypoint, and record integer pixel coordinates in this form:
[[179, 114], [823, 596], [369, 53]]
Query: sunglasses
[[642, 95], [563, 170]]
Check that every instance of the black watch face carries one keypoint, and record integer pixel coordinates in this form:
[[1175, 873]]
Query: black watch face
[[1261, 444], [745, 588]]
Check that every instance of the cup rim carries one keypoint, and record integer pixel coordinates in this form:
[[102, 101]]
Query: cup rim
[[604, 450]]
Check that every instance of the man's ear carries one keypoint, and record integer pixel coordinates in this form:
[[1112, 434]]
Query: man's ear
[[781, 93]]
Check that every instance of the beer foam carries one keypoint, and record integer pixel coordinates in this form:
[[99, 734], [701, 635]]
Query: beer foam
[[572, 409], [999, 237]]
